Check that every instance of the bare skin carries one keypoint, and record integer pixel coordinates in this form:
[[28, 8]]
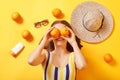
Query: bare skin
[[60, 55]]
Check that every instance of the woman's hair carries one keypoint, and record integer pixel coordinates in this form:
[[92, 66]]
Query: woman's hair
[[50, 46]]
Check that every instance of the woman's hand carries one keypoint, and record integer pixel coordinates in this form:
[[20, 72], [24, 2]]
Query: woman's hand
[[47, 36], [71, 39]]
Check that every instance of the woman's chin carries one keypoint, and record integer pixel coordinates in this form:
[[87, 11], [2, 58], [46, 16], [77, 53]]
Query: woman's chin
[[59, 43]]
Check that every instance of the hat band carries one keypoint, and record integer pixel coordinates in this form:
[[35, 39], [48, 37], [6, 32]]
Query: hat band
[[97, 32]]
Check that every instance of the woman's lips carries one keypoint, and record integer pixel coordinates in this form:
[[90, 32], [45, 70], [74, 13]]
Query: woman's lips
[[59, 39]]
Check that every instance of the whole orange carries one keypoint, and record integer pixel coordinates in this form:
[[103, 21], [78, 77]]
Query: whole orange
[[16, 17], [108, 58], [26, 34], [57, 13], [55, 33], [64, 32]]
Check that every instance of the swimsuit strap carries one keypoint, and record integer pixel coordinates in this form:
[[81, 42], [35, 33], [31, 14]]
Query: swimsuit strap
[[46, 65]]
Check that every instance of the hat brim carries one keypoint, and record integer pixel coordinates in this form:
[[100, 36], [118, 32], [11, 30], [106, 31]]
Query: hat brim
[[85, 35]]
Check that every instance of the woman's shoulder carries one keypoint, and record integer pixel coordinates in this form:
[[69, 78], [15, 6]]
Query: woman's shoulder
[[44, 51], [71, 53]]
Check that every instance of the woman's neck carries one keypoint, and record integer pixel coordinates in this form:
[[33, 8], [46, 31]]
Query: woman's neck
[[60, 50]]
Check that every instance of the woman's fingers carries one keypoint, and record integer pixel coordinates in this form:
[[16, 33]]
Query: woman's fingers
[[70, 30], [51, 28]]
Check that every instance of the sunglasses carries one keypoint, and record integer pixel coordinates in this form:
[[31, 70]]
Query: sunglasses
[[39, 24]]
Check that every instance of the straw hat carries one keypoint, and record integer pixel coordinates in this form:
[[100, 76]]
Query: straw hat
[[91, 22]]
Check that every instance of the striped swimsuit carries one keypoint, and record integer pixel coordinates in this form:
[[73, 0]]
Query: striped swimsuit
[[60, 73]]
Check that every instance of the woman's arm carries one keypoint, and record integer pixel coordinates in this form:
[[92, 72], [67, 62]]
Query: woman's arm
[[78, 57], [39, 55]]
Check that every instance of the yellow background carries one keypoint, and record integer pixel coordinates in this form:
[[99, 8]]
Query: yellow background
[[36, 10]]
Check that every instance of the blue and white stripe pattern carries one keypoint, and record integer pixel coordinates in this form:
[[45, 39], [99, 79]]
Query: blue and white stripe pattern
[[60, 73]]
